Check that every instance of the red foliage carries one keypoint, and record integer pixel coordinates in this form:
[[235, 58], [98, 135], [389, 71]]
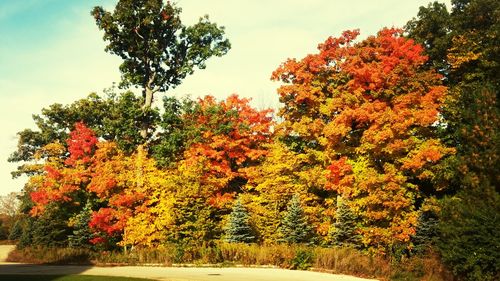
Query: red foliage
[[109, 220], [233, 135], [81, 145]]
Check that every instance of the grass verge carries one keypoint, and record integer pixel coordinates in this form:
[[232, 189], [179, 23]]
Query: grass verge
[[67, 278]]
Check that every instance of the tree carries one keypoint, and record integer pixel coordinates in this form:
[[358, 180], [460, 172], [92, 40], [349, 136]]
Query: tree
[[471, 116], [82, 234], [468, 234], [373, 109], [468, 46], [295, 226], [175, 131], [158, 51], [238, 229], [282, 174], [9, 204], [229, 138], [344, 229]]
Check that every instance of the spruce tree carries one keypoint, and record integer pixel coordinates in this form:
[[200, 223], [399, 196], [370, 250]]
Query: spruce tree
[[81, 231], [344, 228], [294, 226], [237, 229]]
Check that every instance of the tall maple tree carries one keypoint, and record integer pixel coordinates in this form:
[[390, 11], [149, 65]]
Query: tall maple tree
[[229, 141], [372, 108]]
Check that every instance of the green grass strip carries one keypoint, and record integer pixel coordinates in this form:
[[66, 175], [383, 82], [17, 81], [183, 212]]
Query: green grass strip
[[15, 277]]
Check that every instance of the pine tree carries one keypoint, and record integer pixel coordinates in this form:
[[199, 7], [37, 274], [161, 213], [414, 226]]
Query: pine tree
[[81, 230], [294, 226], [237, 229], [344, 228], [425, 232]]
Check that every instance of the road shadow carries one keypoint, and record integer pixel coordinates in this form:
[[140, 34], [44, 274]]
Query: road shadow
[[29, 272]]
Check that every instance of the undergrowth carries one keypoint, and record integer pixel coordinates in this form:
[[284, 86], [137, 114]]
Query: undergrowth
[[334, 260]]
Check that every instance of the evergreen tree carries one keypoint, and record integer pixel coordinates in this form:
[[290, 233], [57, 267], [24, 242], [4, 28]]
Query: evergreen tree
[[344, 228], [237, 228], [426, 231], [294, 226], [81, 230], [17, 230]]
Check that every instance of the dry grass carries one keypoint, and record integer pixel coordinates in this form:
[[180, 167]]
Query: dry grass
[[333, 260]]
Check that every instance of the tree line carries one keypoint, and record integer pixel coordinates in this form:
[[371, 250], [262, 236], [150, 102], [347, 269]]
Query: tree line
[[387, 144]]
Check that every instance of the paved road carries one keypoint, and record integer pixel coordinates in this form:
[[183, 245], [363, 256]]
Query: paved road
[[5, 250], [175, 273]]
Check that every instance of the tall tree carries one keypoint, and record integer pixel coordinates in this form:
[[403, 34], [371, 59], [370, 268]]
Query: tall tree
[[469, 36], [372, 108], [465, 40], [158, 51]]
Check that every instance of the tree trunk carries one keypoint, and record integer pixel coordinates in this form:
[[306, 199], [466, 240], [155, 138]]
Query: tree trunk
[[148, 100]]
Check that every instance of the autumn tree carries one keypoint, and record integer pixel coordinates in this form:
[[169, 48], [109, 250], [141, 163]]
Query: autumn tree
[[158, 51], [229, 140], [282, 174], [56, 194], [112, 117], [372, 108]]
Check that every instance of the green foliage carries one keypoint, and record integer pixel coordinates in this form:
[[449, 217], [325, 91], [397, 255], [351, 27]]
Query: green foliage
[[17, 230], [51, 229], [303, 259], [115, 118], [175, 131], [425, 232], [26, 237], [158, 51], [431, 29], [295, 226], [344, 233], [466, 41], [238, 229], [4, 232], [194, 222], [82, 233], [468, 241]]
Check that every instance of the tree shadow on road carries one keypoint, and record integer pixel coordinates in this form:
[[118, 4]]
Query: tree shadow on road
[[28, 272]]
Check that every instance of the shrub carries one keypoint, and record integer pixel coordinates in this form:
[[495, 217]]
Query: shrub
[[303, 259], [469, 240]]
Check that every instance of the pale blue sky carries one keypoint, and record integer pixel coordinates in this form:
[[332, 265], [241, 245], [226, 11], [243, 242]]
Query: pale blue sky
[[51, 51]]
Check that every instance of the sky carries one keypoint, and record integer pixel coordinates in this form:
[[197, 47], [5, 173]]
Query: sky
[[52, 52]]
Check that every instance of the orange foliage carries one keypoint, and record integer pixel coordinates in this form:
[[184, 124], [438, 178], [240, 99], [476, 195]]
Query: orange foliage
[[232, 135], [370, 107]]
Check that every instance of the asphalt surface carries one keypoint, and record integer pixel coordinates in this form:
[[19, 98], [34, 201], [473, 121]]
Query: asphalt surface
[[172, 273]]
